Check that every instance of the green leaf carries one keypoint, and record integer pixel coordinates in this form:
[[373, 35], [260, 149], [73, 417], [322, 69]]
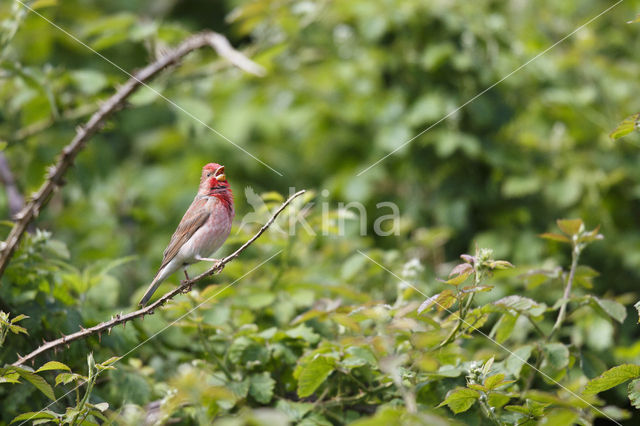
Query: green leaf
[[459, 279], [570, 226], [443, 301], [294, 410], [358, 356], [261, 387], [385, 416], [313, 374], [18, 318], [33, 415], [66, 378], [615, 310], [521, 304], [504, 327], [53, 365], [555, 237], [513, 364], [633, 391], [496, 380], [627, 125], [497, 399], [36, 381], [303, 332], [556, 355], [460, 400], [612, 377]]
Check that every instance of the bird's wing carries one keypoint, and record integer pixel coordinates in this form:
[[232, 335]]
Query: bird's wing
[[192, 220]]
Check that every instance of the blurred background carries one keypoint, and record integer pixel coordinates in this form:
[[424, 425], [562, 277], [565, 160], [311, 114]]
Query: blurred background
[[347, 82]]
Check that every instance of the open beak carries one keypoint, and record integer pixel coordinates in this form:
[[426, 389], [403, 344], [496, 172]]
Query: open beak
[[219, 175]]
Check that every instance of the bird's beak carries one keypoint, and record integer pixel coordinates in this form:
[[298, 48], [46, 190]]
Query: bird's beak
[[219, 175]]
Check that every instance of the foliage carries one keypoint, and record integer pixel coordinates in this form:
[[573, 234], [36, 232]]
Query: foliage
[[338, 327]]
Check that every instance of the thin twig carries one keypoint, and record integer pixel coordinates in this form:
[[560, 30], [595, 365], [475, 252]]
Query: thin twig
[[55, 174], [184, 287]]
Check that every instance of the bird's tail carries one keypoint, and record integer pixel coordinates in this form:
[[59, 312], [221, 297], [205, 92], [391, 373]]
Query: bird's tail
[[151, 289]]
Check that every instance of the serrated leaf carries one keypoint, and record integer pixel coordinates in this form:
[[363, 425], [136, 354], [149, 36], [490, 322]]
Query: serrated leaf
[[261, 387], [627, 125], [457, 280], [521, 304], [570, 226], [66, 378], [494, 381], [612, 377], [461, 269], [633, 391], [476, 289], [443, 300], [460, 400], [555, 237], [313, 374], [53, 365]]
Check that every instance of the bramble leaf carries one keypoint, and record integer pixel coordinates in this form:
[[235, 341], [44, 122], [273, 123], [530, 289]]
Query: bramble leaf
[[460, 400], [612, 377], [570, 226], [313, 374], [53, 365]]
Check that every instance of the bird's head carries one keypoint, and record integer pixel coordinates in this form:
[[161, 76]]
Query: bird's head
[[213, 180]]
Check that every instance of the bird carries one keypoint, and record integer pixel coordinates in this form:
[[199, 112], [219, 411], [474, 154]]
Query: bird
[[203, 229]]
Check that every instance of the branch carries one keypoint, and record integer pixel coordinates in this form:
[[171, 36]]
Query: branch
[[184, 287], [55, 174], [14, 197]]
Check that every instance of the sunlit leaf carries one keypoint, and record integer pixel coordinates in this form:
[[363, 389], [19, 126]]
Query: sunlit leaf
[[53, 365], [313, 374], [627, 125], [460, 400], [612, 377], [570, 226]]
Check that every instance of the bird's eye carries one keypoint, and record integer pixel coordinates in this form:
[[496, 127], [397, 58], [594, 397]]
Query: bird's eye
[[209, 174]]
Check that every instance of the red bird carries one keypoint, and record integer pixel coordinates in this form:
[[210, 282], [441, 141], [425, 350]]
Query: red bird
[[203, 228]]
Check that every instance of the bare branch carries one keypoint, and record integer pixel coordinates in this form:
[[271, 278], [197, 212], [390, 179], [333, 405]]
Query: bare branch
[[55, 174], [184, 287]]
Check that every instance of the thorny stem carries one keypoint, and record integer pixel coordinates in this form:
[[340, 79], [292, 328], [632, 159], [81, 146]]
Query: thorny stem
[[486, 408], [575, 255]]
